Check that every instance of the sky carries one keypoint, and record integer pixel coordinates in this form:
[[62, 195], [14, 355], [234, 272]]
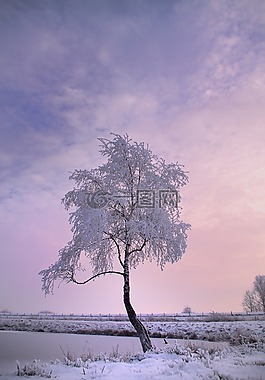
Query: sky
[[186, 77]]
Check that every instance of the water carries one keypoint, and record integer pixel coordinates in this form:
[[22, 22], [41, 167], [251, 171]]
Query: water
[[27, 346]]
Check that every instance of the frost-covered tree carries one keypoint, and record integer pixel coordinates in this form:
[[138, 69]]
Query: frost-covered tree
[[126, 212], [259, 287], [254, 300]]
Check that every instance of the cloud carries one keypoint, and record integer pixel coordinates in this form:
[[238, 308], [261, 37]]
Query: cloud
[[186, 77]]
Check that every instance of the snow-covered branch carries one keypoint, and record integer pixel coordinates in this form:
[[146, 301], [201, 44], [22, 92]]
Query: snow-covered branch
[[118, 250], [95, 276], [140, 249]]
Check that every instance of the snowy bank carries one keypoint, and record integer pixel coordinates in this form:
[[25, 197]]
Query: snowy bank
[[174, 362], [235, 332]]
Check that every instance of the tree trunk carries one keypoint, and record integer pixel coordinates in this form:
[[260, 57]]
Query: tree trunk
[[137, 324]]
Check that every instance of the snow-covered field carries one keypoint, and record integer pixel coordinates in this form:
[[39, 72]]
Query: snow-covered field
[[174, 362], [243, 359], [212, 331]]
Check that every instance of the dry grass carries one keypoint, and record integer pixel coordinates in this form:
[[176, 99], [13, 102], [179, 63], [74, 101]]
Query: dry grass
[[33, 369]]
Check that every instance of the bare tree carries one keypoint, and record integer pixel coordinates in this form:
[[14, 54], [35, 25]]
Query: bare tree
[[126, 212], [251, 301], [259, 287], [187, 310]]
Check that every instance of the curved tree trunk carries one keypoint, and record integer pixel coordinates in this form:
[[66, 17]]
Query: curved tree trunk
[[137, 324]]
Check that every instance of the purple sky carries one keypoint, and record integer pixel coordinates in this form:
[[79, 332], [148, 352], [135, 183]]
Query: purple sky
[[187, 77]]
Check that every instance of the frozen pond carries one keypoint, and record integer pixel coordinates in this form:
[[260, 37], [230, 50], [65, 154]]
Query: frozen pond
[[27, 346]]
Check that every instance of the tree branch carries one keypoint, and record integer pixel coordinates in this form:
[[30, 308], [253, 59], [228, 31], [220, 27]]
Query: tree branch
[[118, 249], [95, 276], [117, 245], [139, 249]]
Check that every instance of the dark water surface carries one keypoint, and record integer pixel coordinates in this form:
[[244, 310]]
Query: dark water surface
[[27, 346]]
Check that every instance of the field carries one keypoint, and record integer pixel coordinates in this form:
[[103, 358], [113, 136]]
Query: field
[[210, 327], [243, 358]]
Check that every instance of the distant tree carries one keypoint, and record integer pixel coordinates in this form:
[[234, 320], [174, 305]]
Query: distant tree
[[5, 311], [45, 312], [254, 300], [118, 219], [251, 301], [187, 310], [259, 287]]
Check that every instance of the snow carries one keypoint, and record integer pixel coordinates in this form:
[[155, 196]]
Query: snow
[[242, 359], [211, 331], [173, 362]]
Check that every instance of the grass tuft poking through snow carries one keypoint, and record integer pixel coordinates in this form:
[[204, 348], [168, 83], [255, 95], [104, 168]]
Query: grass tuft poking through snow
[[36, 368], [175, 362]]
